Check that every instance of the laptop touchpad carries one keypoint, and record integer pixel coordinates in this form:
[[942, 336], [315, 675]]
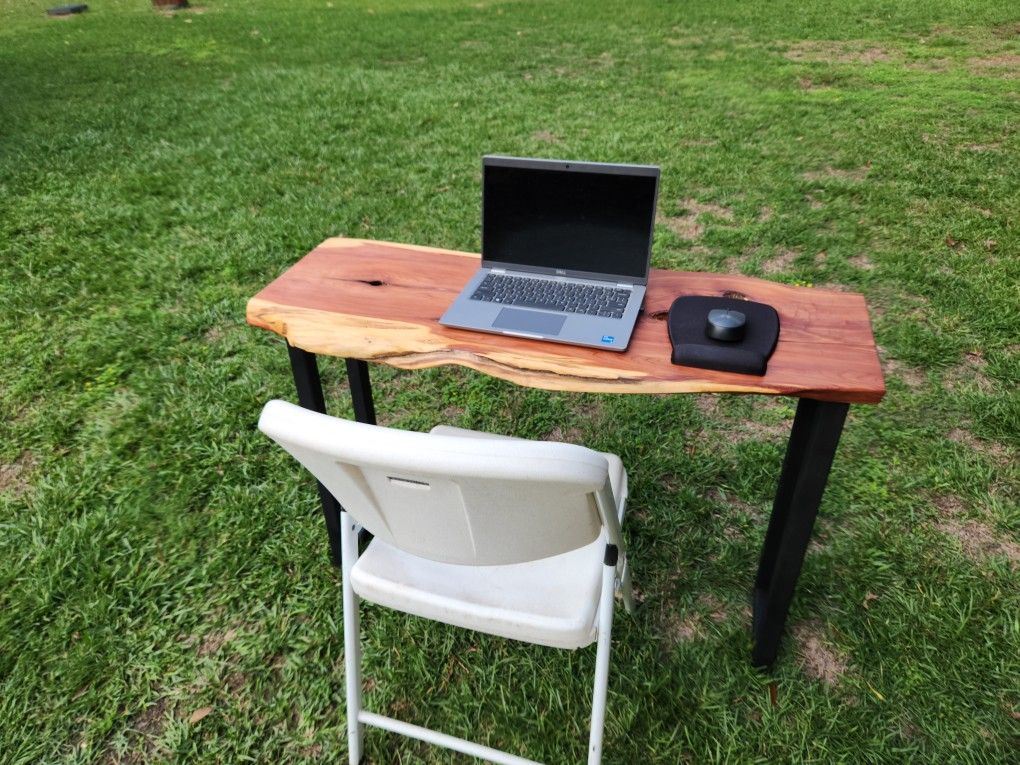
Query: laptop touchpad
[[536, 322]]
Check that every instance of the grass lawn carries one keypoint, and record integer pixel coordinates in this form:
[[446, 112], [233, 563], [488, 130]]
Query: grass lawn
[[165, 593]]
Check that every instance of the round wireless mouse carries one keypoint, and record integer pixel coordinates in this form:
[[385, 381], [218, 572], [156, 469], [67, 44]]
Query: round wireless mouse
[[724, 325]]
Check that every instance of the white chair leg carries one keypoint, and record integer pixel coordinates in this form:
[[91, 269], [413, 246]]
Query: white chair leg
[[352, 638], [598, 704]]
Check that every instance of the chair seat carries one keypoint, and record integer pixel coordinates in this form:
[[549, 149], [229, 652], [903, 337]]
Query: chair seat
[[552, 601]]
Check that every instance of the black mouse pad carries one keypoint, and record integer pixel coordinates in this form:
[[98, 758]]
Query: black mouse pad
[[693, 348]]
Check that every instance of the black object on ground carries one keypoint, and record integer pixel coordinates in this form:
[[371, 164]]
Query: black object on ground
[[67, 10]]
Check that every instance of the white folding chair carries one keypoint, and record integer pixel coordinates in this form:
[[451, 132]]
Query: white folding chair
[[510, 537]]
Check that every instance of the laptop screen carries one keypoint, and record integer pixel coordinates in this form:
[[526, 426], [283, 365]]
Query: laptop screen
[[589, 218]]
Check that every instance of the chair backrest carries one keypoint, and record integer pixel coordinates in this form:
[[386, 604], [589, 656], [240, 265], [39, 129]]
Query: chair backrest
[[449, 498]]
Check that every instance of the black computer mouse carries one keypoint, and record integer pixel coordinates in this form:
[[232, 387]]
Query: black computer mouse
[[724, 325]]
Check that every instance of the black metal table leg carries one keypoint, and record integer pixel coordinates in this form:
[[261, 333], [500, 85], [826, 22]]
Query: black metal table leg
[[310, 396], [817, 427]]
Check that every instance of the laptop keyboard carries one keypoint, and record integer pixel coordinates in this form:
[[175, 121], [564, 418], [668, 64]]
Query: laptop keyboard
[[568, 297]]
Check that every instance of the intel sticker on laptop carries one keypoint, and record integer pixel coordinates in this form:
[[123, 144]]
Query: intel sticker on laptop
[[608, 338]]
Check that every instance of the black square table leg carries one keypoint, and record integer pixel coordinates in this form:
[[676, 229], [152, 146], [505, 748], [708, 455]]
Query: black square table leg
[[309, 389], [817, 427]]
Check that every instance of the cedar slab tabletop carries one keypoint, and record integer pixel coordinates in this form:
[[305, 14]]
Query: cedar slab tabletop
[[379, 301]]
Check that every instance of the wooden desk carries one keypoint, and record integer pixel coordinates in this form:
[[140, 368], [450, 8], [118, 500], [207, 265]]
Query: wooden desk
[[378, 301]]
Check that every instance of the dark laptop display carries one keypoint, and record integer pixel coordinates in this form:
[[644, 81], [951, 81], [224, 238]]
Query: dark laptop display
[[578, 221], [565, 251]]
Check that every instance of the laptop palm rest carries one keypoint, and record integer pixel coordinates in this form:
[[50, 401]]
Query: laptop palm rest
[[529, 321]]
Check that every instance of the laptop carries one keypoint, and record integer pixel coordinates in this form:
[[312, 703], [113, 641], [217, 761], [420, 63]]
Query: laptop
[[565, 251]]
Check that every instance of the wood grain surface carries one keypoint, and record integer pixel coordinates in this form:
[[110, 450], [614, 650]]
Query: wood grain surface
[[381, 302]]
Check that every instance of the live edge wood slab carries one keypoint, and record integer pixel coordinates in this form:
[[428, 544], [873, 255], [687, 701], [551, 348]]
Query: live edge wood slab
[[381, 301]]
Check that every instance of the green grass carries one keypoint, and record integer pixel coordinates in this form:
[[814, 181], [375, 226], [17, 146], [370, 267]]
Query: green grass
[[159, 556]]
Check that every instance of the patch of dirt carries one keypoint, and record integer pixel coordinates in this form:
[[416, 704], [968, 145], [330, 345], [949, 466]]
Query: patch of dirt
[[829, 173], [688, 225], [862, 262], [821, 258], [813, 202], [214, 641], [969, 373], [452, 412], [1007, 30], [752, 430], [564, 435], [715, 608], [980, 541], [684, 226], [819, 660], [545, 136], [707, 404], [699, 208], [234, 682], [681, 629], [969, 440], [780, 262], [765, 215], [837, 52], [214, 334], [913, 377], [981, 147], [949, 505], [14, 476], [929, 64], [1004, 65], [144, 730]]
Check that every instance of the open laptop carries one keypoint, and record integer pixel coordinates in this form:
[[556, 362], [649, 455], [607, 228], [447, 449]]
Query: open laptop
[[565, 251]]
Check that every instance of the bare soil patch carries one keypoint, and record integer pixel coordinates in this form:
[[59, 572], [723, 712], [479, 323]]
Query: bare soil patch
[[564, 435], [975, 444], [929, 64], [707, 403], [700, 208], [215, 640], [981, 147], [14, 477], [949, 505], [829, 173], [714, 607], [1003, 65], [913, 377], [819, 660], [837, 52], [980, 541], [969, 372], [780, 262], [545, 136], [144, 730], [684, 226], [681, 629], [862, 262]]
